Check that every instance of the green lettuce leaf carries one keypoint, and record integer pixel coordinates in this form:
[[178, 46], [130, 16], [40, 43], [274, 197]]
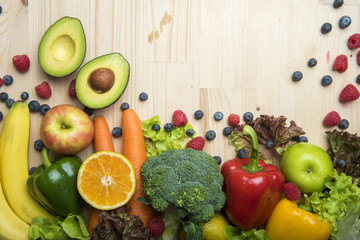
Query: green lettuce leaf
[[234, 233], [72, 227], [340, 198], [159, 142], [75, 227], [349, 226], [267, 128], [46, 229]]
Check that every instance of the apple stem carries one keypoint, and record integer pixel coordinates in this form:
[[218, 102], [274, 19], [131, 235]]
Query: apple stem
[[253, 165], [45, 157]]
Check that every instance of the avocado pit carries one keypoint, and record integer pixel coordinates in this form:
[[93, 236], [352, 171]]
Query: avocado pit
[[101, 80]]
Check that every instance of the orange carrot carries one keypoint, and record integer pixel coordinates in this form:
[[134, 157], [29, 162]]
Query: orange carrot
[[94, 219], [102, 142], [102, 136], [134, 150]]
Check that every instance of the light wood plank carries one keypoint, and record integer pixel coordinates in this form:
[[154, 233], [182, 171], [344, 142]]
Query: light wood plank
[[230, 56]]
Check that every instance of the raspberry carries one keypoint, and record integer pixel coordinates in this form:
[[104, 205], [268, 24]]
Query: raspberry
[[179, 118], [340, 63], [197, 143], [332, 119], [21, 62], [156, 226], [292, 192], [354, 41], [349, 93], [1, 82], [233, 119], [358, 58], [43, 90], [71, 91]]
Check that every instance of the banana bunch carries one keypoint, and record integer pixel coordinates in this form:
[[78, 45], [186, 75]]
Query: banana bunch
[[17, 206]]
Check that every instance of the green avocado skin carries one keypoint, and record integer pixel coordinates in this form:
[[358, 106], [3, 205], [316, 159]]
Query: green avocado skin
[[55, 186], [64, 37]]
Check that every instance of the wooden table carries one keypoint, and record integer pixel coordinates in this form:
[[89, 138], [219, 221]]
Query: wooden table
[[231, 56]]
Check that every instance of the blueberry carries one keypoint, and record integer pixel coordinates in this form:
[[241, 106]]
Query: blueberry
[[338, 3], [344, 22], [357, 81], [88, 111], [8, 79], [9, 102], [344, 124], [190, 132], [248, 116], [296, 138], [32, 170], [116, 132], [155, 127], [341, 163], [303, 139], [218, 159], [44, 108], [124, 106], [199, 114], [326, 80], [210, 135], [143, 96], [1, 116], [0, 9], [241, 153], [297, 76], [227, 131], [34, 106], [39, 145], [326, 28], [168, 127], [269, 144], [312, 62], [24, 96], [4, 96], [218, 116]]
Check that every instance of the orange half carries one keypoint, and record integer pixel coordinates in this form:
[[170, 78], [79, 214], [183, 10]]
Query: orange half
[[106, 180]]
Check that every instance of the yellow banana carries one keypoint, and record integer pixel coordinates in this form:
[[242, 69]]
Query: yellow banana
[[11, 226], [14, 169]]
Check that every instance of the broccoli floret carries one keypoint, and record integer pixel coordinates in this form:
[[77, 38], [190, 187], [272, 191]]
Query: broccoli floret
[[188, 179]]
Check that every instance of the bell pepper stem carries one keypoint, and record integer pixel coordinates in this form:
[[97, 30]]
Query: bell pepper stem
[[45, 157], [253, 166]]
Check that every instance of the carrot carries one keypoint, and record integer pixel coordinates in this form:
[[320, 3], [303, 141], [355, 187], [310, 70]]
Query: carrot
[[134, 150], [102, 136], [102, 142]]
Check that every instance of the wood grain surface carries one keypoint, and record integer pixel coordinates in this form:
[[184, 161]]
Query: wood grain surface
[[231, 56]]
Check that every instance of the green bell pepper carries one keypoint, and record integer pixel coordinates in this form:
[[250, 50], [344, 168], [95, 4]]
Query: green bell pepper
[[54, 185]]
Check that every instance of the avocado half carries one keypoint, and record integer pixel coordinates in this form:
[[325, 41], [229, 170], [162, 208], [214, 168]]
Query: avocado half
[[62, 48], [101, 81]]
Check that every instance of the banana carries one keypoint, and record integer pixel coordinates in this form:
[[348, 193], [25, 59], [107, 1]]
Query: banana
[[14, 170], [11, 226]]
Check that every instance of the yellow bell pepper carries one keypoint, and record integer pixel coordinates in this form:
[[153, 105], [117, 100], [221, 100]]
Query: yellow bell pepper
[[287, 221]]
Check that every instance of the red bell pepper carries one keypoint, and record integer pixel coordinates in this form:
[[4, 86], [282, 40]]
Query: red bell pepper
[[252, 187]]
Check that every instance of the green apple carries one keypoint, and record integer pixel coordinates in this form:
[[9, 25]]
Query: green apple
[[306, 165], [66, 129]]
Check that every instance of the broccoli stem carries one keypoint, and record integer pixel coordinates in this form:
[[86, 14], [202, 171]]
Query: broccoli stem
[[172, 223], [253, 166]]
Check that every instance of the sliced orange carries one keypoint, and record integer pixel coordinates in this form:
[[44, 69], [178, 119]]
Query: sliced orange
[[106, 180]]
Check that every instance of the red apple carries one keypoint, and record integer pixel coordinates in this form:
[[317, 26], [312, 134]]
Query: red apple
[[66, 129]]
